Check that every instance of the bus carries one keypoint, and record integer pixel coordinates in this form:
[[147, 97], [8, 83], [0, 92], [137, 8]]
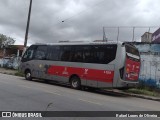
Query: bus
[[83, 64]]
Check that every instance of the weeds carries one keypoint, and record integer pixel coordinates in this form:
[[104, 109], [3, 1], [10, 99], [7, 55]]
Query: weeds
[[19, 74]]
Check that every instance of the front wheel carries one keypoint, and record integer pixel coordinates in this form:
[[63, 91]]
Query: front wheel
[[28, 75], [75, 82]]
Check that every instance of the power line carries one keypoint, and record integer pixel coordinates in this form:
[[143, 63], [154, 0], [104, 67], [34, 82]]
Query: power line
[[83, 11]]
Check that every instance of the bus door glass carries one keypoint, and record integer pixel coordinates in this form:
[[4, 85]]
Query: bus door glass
[[132, 67], [39, 61]]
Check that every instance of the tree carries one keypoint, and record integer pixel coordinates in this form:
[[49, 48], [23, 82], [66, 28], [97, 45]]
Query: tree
[[5, 41]]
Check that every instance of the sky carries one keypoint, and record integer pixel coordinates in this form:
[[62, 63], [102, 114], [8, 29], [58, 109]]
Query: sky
[[78, 20]]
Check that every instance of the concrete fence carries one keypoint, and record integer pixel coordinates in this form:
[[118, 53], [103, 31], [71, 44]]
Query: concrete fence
[[10, 62]]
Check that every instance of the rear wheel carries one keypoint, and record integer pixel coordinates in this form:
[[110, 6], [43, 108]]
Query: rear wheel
[[28, 75], [75, 82]]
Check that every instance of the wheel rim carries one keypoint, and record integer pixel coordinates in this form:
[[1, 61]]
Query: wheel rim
[[75, 83], [28, 75]]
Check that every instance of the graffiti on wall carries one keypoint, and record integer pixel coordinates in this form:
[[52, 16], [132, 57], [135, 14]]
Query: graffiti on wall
[[150, 64]]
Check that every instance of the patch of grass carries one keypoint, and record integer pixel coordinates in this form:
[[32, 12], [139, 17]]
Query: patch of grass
[[144, 91], [19, 74]]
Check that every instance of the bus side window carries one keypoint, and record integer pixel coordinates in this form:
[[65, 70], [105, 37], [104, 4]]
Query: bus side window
[[110, 53], [77, 54], [65, 53], [78, 57], [86, 55], [53, 53], [102, 54], [40, 53], [89, 54], [92, 54]]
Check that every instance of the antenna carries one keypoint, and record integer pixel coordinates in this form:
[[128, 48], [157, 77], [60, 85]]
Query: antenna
[[104, 35]]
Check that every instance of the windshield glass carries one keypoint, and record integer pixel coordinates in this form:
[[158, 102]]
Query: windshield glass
[[132, 50]]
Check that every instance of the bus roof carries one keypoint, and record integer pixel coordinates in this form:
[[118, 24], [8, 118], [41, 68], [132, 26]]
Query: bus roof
[[81, 43]]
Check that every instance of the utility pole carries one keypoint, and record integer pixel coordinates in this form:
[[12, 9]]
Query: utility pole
[[133, 34], [27, 28], [118, 35]]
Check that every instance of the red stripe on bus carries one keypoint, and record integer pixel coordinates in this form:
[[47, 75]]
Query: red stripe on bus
[[83, 73]]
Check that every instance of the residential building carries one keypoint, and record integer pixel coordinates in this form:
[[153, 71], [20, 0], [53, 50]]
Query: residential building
[[12, 50], [146, 37]]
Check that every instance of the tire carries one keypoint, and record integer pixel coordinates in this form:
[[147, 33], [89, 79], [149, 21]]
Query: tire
[[75, 82], [28, 75]]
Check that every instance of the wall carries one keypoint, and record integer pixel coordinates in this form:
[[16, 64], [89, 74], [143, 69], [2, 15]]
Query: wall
[[150, 64]]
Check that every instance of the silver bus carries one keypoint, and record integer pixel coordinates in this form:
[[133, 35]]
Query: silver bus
[[88, 64]]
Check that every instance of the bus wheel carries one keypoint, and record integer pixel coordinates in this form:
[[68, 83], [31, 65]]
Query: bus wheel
[[28, 75], [75, 82]]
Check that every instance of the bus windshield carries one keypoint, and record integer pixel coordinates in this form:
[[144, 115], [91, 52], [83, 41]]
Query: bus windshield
[[132, 53], [132, 50]]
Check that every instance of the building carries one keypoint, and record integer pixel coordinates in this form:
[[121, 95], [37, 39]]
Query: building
[[156, 36], [146, 37], [12, 50]]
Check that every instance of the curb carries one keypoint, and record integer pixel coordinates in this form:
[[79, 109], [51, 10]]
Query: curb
[[145, 97], [7, 73]]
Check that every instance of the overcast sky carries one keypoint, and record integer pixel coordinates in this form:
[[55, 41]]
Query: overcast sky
[[83, 19]]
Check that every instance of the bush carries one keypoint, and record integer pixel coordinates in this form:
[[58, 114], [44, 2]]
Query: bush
[[19, 74], [143, 91]]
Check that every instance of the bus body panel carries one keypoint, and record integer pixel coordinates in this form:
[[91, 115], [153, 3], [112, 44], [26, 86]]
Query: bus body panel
[[132, 70], [119, 63]]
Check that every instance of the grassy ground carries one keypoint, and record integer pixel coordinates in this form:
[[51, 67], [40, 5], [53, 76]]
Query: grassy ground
[[19, 74], [144, 91]]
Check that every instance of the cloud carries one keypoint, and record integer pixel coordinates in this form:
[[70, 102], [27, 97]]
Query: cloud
[[83, 19]]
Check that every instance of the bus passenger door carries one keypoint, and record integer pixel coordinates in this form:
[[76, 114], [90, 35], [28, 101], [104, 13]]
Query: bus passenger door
[[39, 62]]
